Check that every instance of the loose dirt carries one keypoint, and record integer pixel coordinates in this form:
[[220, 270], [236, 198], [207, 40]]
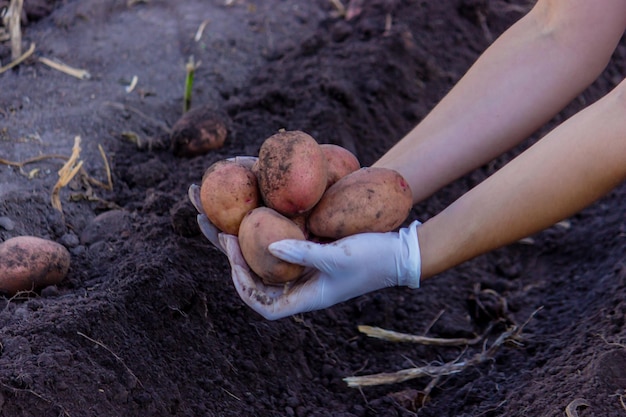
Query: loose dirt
[[147, 322]]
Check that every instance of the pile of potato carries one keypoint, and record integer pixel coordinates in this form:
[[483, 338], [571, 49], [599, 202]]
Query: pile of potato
[[300, 189]]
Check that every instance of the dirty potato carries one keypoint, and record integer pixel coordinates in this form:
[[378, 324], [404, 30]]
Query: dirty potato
[[198, 131], [341, 162], [367, 200], [228, 192], [28, 263], [261, 227], [292, 172]]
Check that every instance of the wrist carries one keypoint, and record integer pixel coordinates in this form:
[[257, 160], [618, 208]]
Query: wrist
[[409, 265]]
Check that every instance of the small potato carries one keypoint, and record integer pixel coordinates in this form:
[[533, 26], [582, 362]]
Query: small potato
[[261, 227], [28, 263], [367, 200], [292, 172], [198, 131], [228, 192], [341, 162]]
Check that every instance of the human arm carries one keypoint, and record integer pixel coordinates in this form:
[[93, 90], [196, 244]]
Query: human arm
[[519, 83], [574, 165]]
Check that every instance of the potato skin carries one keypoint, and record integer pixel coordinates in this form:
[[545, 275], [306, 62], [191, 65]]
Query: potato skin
[[228, 192], [367, 200], [259, 228], [198, 131], [341, 162], [292, 172], [28, 263]]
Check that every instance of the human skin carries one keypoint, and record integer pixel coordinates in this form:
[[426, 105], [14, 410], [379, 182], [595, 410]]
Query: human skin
[[527, 76]]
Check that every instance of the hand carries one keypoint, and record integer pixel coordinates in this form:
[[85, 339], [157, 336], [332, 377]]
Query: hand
[[336, 271]]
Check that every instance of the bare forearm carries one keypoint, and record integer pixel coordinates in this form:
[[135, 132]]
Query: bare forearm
[[566, 171], [527, 76]]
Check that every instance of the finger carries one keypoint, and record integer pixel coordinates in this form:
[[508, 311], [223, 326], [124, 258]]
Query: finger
[[237, 261], [247, 161], [269, 301], [230, 243], [299, 252], [209, 230], [256, 299], [194, 197]]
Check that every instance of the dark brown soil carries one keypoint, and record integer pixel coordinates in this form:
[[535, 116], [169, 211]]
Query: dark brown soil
[[147, 323]]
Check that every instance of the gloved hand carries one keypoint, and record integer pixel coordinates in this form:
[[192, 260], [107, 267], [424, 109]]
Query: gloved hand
[[335, 272]]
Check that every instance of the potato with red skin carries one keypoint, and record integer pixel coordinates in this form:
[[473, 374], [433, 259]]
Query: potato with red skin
[[259, 228], [371, 199], [228, 192], [341, 162], [28, 263], [292, 172], [199, 131]]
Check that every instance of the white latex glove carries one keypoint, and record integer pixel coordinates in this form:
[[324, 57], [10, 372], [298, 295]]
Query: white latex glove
[[335, 272]]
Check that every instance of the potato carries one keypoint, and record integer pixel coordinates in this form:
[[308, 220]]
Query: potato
[[261, 227], [28, 263], [341, 162], [292, 172], [198, 131], [228, 192], [367, 200]]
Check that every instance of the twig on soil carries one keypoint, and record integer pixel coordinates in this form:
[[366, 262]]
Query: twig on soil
[[434, 320], [571, 408], [200, 30], [392, 336], [622, 345], [512, 334], [434, 371], [338, 5], [133, 83], [120, 360], [621, 400], [19, 60], [15, 29], [107, 186], [20, 295], [230, 393], [67, 172], [66, 69], [31, 160], [330, 355], [4, 20], [36, 394]]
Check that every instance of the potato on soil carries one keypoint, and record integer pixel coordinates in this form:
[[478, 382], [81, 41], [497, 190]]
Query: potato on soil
[[261, 227], [292, 172], [228, 192], [367, 200], [28, 263], [341, 162], [198, 131]]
